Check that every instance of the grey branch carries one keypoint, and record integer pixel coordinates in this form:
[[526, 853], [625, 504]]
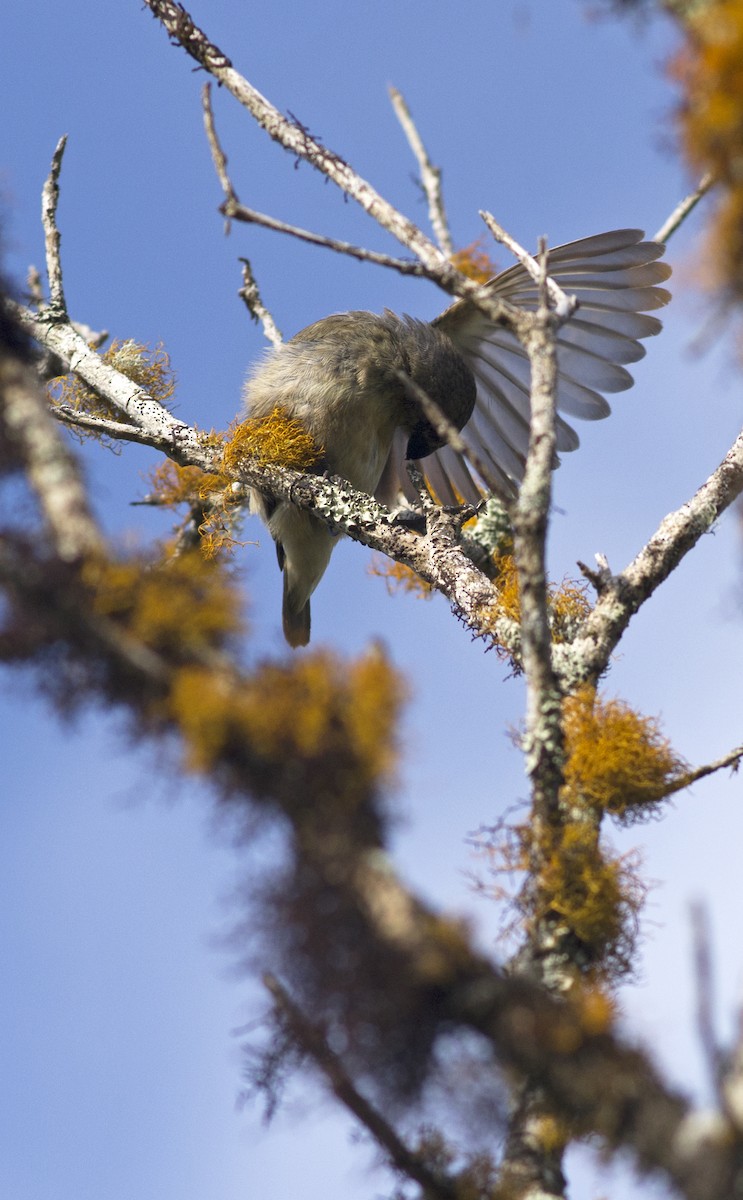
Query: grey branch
[[530, 516], [565, 305], [52, 470], [234, 210], [622, 595], [430, 175], [298, 141], [682, 210], [49, 202], [257, 309]]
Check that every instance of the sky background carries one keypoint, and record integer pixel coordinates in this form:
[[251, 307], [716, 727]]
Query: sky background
[[118, 999]]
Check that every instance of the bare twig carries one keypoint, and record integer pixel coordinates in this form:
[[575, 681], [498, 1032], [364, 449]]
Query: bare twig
[[219, 158], [732, 760], [447, 431], [49, 202], [298, 141], [257, 309], [564, 305], [682, 210], [312, 1041], [239, 212], [234, 210], [430, 175]]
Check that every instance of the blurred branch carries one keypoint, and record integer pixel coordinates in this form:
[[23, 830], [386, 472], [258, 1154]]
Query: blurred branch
[[430, 175], [313, 1042], [703, 975], [52, 471]]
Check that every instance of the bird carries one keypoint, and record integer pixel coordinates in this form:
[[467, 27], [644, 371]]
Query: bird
[[342, 379]]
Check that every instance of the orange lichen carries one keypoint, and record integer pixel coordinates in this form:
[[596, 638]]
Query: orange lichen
[[586, 889], [149, 368], [182, 606], [475, 262], [273, 440], [399, 578], [314, 709], [617, 760]]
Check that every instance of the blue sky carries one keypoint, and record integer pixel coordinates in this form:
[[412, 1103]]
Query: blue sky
[[117, 1003]]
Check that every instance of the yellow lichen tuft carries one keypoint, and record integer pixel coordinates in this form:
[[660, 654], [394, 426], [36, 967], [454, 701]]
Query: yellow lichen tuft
[[172, 484], [617, 760], [596, 895], [315, 710], [568, 608], [181, 607], [149, 368], [273, 440], [563, 875], [474, 261], [399, 578], [507, 583], [567, 602]]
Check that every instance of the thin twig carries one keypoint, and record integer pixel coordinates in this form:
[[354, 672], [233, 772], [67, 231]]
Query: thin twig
[[240, 212], [733, 760], [682, 210], [257, 309], [564, 305], [430, 175], [447, 431], [234, 210], [219, 158], [297, 139], [49, 202]]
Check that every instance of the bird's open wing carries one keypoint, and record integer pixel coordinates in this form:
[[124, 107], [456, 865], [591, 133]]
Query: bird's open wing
[[614, 277]]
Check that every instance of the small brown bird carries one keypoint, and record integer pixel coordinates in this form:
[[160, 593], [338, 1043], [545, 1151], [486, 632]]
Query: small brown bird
[[341, 378]]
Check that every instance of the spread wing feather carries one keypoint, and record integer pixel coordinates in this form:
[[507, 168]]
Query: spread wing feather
[[615, 277]]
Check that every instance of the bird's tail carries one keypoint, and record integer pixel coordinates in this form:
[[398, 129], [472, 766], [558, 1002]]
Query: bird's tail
[[296, 621]]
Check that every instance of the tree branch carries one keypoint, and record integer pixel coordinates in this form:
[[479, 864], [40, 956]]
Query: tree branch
[[312, 1041], [430, 175], [298, 141], [587, 657], [49, 202], [682, 210]]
